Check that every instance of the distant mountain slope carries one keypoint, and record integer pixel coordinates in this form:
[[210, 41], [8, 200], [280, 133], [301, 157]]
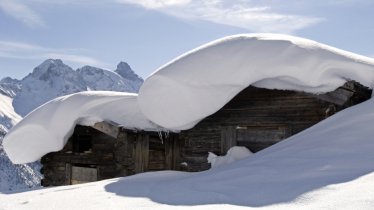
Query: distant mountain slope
[[8, 117], [13, 177], [53, 78], [49, 80]]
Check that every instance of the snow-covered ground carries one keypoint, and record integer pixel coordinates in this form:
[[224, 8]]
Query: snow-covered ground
[[329, 166]]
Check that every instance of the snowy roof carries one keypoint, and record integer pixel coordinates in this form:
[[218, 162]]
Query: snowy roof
[[48, 128], [200, 82]]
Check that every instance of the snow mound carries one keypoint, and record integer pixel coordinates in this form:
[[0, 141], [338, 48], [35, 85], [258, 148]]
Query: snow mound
[[200, 82], [233, 154], [48, 128]]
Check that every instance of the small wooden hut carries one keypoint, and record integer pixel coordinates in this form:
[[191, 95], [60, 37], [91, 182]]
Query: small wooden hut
[[107, 150], [256, 118]]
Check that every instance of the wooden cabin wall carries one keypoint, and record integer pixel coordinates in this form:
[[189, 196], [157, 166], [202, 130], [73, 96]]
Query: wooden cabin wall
[[261, 113], [57, 165], [130, 153]]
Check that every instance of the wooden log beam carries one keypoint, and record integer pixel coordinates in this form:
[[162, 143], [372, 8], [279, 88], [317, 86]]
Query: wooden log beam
[[141, 153], [110, 128]]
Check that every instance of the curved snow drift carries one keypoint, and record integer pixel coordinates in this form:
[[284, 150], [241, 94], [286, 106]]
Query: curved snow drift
[[200, 82], [48, 128]]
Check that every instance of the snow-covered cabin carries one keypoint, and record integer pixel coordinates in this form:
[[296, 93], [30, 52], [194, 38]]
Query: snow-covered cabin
[[255, 118], [253, 90], [258, 118], [107, 150], [91, 136]]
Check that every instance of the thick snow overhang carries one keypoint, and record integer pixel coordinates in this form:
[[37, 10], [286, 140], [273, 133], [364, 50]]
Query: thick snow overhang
[[200, 82], [48, 127]]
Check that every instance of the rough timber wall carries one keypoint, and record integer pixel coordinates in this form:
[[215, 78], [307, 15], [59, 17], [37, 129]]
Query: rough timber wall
[[258, 118], [96, 153], [91, 155]]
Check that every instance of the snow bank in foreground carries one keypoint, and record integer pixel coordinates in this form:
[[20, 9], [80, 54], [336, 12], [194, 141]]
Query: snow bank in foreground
[[328, 166], [48, 128], [200, 82], [233, 154]]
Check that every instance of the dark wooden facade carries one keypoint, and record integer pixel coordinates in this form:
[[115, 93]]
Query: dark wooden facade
[[105, 151], [256, 118]]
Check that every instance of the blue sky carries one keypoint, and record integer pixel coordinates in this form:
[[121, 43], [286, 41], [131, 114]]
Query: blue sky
[[149, 33]]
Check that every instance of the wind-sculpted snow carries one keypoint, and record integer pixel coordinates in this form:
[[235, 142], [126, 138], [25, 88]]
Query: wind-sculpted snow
[[48, 128], [200, 82]]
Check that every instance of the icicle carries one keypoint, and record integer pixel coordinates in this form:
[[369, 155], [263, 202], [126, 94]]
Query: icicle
[[167, 134], [160, 136]]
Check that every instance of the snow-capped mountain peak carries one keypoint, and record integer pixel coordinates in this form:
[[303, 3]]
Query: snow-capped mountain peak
[[101, 79], [53, 78], [50, 66], [125, 71], [49, 80]]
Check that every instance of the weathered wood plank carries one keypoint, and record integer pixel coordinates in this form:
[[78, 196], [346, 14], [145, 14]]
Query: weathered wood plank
[[176, 152], [141, 153], [168, 153], [68, 174], [145, 151], [138, 154], [228, 138]]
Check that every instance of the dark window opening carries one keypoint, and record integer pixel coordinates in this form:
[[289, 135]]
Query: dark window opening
[[82, 144]]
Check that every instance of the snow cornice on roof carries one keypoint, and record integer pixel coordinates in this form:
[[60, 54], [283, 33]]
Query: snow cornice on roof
[[201, 81], [48, 128]]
